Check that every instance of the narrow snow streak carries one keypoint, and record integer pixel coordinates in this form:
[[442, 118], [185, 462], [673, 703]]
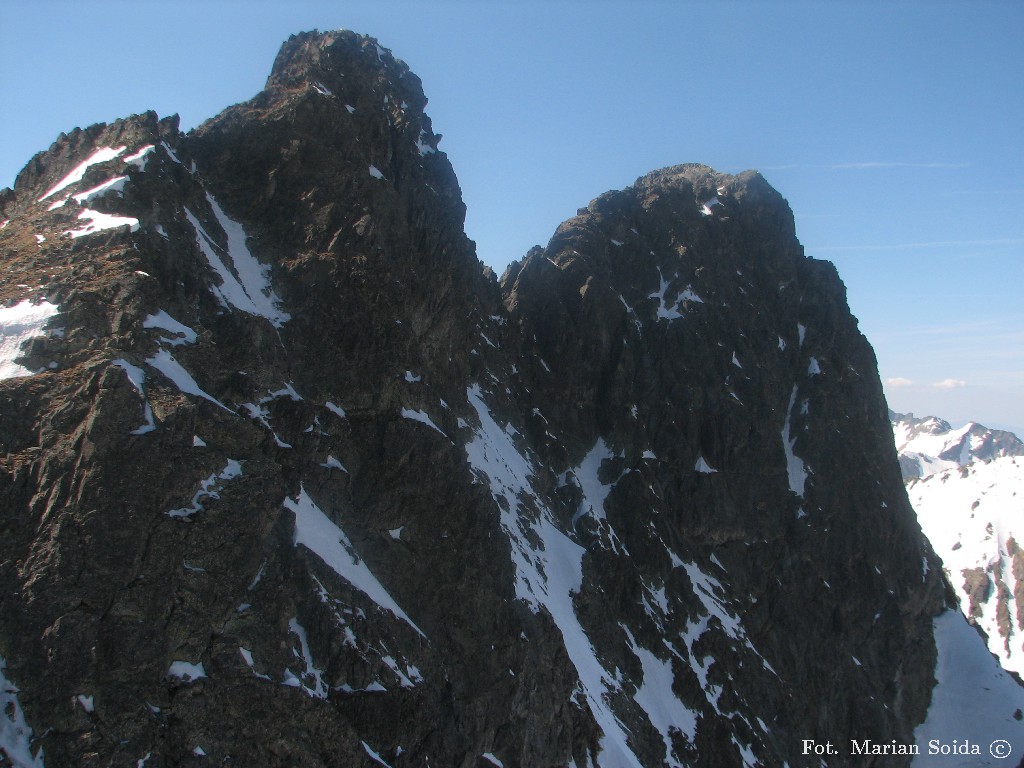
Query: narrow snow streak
[[794, 464], [311, 672], [315, 531], [548, 576], [250, 291], [164, 362], [209, 488], [374, 756], [422, 418], [101, 155], [140, 158], [137, 377]]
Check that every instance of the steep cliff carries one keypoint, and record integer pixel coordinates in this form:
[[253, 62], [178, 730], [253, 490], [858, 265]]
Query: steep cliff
[[288, 479]]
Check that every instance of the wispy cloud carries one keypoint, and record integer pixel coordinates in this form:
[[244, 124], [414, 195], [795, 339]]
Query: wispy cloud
[[898, 382], [950, 384]]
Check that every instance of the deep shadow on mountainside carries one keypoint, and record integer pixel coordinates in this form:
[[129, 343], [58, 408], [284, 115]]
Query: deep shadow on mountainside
[[296, 482]]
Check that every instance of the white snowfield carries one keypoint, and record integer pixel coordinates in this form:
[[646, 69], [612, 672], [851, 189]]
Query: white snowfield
[[971, 512], [970, 515], [973, 704], [19, 324]]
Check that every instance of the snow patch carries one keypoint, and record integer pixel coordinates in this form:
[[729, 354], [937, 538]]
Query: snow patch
[[86, 702], [19, 324], [15, 733], [665, 712], [595, 493], [165, 322], [111, 185], [703, 466], [170, 152], [333, 463], [375, 172], [672, 312], [186, 671], [98, 222], [422, 146], [707, 207]]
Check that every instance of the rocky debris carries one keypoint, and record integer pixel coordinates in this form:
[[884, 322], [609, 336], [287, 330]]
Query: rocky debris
[[297, 483]]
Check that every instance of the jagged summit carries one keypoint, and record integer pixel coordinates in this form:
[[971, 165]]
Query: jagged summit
[[325, 58], [286, 480]]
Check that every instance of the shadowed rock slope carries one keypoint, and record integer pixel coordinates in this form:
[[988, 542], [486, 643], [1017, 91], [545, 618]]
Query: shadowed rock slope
[[287, 479]]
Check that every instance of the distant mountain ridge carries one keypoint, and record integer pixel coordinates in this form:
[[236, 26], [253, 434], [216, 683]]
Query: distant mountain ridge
[[930, 444], [967, 487]]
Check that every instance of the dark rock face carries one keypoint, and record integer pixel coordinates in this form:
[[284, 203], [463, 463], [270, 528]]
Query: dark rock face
[[299, 485]]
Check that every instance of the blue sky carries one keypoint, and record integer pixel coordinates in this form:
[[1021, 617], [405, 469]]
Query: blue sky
[[893, 129]]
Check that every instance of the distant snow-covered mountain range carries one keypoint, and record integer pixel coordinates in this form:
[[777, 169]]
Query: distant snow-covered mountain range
[[930, 445], [967, 486]]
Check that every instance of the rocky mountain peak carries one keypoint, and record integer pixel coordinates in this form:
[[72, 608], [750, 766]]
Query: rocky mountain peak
[[288, 480], [327, 58]]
